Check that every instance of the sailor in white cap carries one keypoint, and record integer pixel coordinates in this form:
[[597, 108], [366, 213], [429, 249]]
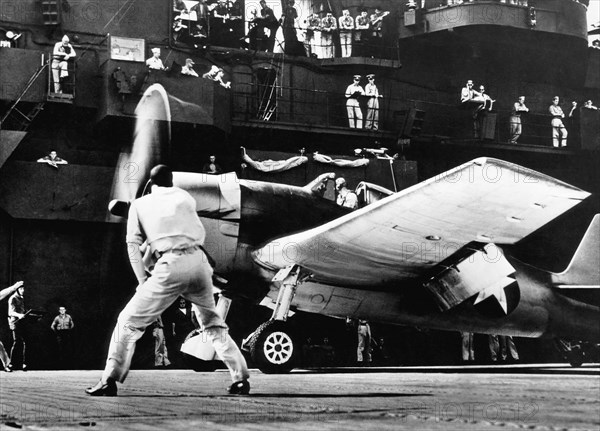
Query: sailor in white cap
[[154, 62], [373, 95], [63, 51], [188, 69], [354, 90]]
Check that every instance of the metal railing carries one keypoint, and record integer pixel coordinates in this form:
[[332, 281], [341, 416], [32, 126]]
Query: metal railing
[[299, 106], [433, 4], [297, 41], [315, 107], [61, 79], [452, 121]]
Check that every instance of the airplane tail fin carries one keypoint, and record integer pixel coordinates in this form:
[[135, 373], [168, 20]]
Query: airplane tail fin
[[584, 268]]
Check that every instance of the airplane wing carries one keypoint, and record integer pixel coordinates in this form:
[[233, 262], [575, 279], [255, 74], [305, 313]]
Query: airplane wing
[[402, 236]]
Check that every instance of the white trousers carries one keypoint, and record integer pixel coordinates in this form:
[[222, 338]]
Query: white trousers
[[161, 354], [559, 131], [355, 117], [316, 44], [372, 114], [503, 344], [468, 348], [175, 274], [327, 45], [60, 69], [346, 43], [4, 356], [363, 350], [515, 128]]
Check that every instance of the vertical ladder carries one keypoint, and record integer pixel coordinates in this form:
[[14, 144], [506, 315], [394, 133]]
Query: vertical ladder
[[270, 107]]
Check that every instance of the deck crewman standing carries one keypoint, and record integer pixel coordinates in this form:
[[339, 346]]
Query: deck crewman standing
[[515, 119], [353, 92], [373, 95], [16, 314], [559, 131], [166, 220], [4, 358]]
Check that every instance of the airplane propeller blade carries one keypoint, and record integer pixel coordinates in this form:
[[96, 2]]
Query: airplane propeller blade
[[151, 141]]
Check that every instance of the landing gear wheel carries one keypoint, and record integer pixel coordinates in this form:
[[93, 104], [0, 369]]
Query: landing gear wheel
[[574, 352], [575, 356], [273, 347]]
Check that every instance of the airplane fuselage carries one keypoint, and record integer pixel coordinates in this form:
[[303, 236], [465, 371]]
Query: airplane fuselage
[[535, 310], [266, 211]]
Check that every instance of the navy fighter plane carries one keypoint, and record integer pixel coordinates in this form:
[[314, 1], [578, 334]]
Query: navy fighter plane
[[429, 256]]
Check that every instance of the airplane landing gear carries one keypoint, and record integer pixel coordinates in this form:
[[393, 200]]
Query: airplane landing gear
[[576, 357], [273, 346], [576, 353]]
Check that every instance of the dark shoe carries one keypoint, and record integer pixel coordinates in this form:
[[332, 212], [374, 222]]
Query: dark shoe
[[108, 389], [8, 369], [24, 368], [239, 388]]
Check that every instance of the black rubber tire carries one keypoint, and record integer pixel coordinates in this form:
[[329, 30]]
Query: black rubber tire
[[576, 357], [273, 347]]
